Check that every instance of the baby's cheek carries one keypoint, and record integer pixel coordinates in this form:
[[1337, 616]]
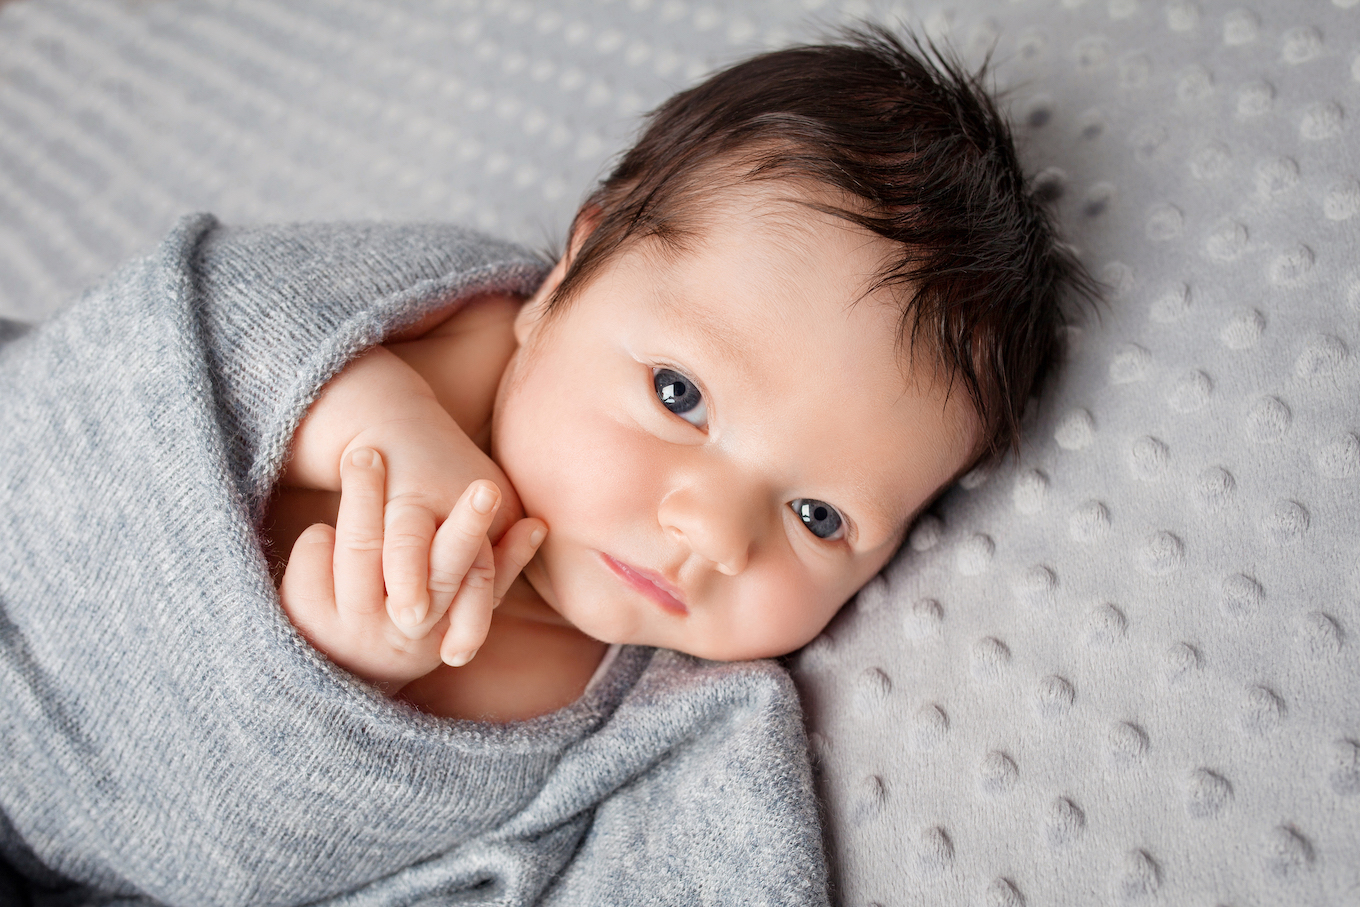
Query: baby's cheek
[[790, 609]]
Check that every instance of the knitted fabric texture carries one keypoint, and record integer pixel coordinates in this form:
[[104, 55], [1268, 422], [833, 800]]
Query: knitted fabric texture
[[167, 736]]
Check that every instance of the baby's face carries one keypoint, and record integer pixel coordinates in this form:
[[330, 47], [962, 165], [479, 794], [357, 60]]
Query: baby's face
[[725, 444]]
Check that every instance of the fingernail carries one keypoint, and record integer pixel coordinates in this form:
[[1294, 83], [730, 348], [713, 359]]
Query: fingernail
[[364, 456], [483, 500], [462, 658], [536, 537], [409, 617]]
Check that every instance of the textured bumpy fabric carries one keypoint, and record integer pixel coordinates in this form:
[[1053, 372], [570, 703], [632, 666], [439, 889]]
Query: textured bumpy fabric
[[167, 738]]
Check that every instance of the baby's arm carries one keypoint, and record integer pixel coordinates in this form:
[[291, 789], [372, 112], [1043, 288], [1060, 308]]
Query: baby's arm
[[381, 403], [332, 589]]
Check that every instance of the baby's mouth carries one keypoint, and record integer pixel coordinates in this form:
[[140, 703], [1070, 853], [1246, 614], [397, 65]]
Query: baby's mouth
[[649, 584]]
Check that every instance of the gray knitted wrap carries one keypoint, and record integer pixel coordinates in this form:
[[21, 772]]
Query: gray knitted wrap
[[165, 735]]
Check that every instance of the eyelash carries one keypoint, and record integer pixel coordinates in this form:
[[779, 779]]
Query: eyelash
[[673, 386]]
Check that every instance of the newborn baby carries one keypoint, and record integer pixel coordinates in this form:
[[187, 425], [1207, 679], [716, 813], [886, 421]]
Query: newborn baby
[[814, 293]]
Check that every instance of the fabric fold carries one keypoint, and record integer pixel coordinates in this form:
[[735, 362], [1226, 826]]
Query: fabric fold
[[170, 739]]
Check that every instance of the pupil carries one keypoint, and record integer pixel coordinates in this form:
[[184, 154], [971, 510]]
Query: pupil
[[819, 517]]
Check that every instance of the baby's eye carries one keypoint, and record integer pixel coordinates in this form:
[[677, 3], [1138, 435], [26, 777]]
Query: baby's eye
[[821, 519], [679, 395]]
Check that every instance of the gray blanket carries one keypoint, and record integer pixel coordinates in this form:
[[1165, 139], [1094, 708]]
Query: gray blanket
[[166, 736]]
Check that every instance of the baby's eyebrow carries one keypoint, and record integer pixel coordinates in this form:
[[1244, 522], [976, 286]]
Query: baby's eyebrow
[[714, 332]]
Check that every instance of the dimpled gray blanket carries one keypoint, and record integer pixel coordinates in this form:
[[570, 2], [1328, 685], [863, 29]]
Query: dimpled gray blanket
[[167, 738]]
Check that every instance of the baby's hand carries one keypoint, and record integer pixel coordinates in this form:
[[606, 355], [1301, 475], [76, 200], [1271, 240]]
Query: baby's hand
[[334, 593]]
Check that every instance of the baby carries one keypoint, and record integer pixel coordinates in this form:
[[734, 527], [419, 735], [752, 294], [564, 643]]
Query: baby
[[814, 293]]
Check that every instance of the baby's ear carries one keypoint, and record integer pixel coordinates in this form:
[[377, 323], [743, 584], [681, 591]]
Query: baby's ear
[[584, 224]]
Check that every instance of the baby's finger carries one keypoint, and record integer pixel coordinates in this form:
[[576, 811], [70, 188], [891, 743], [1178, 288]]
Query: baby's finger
[[408, 527], [307, 592], [470, 614], [358, 560], [458, 544], [516, 548]]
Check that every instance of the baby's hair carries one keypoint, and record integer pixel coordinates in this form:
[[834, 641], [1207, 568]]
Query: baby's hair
[[915, 144]]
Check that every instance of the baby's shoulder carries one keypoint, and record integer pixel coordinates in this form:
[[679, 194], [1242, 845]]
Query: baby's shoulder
[[463, 356]]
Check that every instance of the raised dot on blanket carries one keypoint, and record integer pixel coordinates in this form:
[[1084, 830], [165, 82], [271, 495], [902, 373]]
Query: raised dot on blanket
[[1126, 742], [1182, 15], [1029, 491], [1182, 660], [936, 849], [872, 688], [1268, 419], [1194, 84], [1035, 586], [1243, 596], [1171, 305], [1049, 185], [1276, 176], [1262, 710], [1163, 552], [974, 555], [930, 725], [1287, 852], [1130, 363], [1244, 330], [868, 799], [926, 533], [923, 619], [1148, 143], [1091, 52], [1191, 391], [1227, 240], [1285, 522], [1321, 355], [1342, 201], [1339, 457], [1099, 196], [1054, 696], [1210, 161], [1214, 487], [1322, 636], [1255, 99], [998, 773], [1003, 893], [1089, 521], [1165, 222], [1301, 44], [1139, 876], [976, 477], [1076, 430], [990, 657], [1207, 793], [1105, 626], [1064, 822], [1149, 458], [1321, 120], [1240, 27]]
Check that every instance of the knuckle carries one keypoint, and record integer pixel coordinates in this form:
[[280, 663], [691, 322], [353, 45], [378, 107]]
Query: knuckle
[[445, 582], [481, 576], [399, 539], [361, 540]]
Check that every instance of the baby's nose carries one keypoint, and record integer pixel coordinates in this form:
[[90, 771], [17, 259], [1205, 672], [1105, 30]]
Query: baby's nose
[[714, 519]]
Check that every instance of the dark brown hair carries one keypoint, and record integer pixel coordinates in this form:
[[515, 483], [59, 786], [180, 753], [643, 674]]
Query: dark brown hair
[[915, 142]]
